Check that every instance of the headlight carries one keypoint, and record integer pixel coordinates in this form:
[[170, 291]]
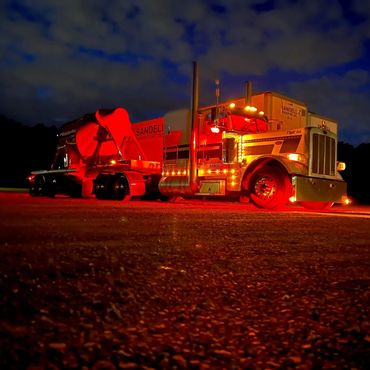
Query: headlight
[[296, 157]]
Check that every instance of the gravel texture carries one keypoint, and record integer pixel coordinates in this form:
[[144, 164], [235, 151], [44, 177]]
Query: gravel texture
[[104, 285]]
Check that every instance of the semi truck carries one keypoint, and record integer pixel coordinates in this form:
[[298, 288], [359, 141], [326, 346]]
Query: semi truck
[[265, 148]]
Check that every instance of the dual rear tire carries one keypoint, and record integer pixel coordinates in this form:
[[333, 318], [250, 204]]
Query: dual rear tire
[[113, 187], [43, 186]]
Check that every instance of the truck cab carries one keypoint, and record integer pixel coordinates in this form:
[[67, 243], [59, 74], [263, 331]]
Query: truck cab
[[269, 150]]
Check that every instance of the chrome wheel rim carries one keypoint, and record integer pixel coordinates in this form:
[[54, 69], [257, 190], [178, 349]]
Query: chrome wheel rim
[[265, 188]]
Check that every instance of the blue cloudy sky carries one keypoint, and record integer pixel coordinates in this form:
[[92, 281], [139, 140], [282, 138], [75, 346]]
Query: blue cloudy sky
[[62, 58]]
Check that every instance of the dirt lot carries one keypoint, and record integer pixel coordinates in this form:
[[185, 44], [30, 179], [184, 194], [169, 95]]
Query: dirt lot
[[105, 285]]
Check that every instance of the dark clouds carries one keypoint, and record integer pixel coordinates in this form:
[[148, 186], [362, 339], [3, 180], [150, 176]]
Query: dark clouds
[[60, 59]]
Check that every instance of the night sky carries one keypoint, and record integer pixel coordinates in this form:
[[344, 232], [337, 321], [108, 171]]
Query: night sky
[[63, 58]]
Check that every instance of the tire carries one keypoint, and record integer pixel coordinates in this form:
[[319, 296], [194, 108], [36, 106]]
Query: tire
[[317, 206], [120, 188], [50, 188], [269, 187], [37, 189], [101, 187]]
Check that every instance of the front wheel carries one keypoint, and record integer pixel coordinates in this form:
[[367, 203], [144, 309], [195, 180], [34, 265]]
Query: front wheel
[[317, 206], [269, 187]]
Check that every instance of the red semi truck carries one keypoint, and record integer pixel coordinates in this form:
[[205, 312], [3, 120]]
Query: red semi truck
[[265, 148]]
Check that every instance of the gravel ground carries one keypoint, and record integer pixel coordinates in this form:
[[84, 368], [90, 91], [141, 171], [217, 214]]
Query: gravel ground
[[101, 285]]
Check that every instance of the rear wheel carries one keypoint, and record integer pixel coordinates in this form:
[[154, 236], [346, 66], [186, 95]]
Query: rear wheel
[[114, 187], [317, 206], [101, 186], [51, 188], [37, 189], [120, 188], [269, 187]]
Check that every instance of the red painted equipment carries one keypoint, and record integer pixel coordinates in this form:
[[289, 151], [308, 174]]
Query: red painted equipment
[[101, 154]]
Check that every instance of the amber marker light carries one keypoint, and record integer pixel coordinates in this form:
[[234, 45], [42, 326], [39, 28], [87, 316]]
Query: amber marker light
[[341, 166], [347, 201], [292, 199], [113, 162], [232, 105]]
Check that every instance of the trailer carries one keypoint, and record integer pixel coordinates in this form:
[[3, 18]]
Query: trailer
[[100, 155]]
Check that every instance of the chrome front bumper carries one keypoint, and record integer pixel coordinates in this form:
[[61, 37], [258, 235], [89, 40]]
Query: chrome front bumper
[[315, 189]]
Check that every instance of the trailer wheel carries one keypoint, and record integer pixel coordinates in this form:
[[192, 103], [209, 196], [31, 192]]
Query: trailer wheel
[[37, 189], [101, 186], [50, 188], [269, 187], [120, 188], [317, 206]]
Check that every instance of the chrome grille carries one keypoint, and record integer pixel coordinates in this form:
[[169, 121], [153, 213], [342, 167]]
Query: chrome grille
[[323, 155]]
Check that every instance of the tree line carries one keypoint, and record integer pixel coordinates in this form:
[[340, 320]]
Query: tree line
[[24, 149]]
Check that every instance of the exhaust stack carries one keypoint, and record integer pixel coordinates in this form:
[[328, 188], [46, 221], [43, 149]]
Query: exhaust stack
[[248, 93], [194, 130], [187, 185]]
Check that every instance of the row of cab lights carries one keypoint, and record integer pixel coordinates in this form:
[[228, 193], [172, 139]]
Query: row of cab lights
[[248, 108], [252, 110], [201, 172]]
